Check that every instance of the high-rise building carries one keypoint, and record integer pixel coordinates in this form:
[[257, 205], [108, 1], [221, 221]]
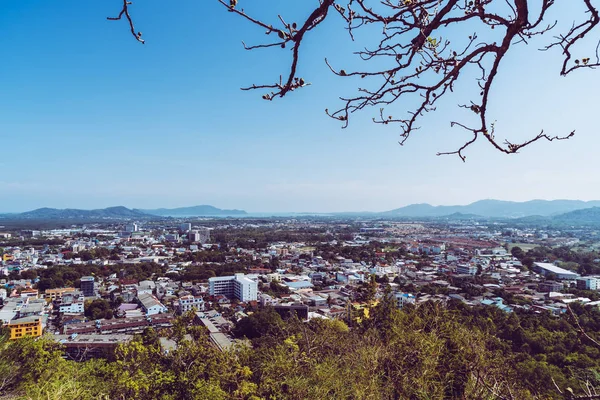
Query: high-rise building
[[87, 286], [201, 235], [185, 227], [131, 228], [237, 286]]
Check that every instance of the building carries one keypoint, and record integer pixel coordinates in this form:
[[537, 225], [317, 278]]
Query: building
[[31, 293], [57, 294], [87, 286], [218, 328], [287, 311], [172, 237], [28, 326], [189, 303], [151, 304], [84, 347], [298, 285], [131, 228], [237, 286], [548, 269], [201, 235], [550, 286], [186, 226], [129, 325], [466, 269], [72, 308], [587, 283], [403, 298]]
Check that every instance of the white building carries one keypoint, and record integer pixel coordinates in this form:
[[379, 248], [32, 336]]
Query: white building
[[71, 308], [237, 286], [146, 287], [403, 299], [189, 302], [151, 305], [560, 273]]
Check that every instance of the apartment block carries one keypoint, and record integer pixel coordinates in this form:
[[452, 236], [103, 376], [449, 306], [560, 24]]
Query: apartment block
[[237, 286]]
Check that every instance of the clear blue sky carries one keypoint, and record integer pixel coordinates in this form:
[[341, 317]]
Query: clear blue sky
[[90, 118]]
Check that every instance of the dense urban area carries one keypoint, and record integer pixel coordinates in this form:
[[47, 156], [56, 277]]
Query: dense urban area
[[300, 308]]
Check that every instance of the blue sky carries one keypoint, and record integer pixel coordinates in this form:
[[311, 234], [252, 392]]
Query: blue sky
[[90, 118]]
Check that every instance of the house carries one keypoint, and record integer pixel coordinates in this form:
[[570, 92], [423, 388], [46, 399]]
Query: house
[[151, 305], [403, 298], [497, 302], [146, 287]]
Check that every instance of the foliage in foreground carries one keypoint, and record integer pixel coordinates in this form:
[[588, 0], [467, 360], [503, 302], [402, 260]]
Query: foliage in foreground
[[429, 352]]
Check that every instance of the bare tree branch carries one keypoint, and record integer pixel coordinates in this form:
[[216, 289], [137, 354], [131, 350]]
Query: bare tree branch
[[420, 56], [125, 12]]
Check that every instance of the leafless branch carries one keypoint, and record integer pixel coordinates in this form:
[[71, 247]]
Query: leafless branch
[[420, 56], [422, 60], [125, 12]]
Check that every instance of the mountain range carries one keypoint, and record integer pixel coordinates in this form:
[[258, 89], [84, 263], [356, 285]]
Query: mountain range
[[121, 212], [556, 210], [496, 208]]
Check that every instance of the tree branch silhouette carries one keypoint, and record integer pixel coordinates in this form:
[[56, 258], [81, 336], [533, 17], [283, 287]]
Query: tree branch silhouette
[[420, 55]]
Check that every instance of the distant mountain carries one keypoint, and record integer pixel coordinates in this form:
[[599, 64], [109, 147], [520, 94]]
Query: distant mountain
[[586, 216], [195, 211], [495, 208], [118, 212]]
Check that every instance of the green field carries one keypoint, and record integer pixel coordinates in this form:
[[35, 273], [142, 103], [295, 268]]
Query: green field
[[524, 246]]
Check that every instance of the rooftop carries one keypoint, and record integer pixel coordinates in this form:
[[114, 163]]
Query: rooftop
[[554, 269]]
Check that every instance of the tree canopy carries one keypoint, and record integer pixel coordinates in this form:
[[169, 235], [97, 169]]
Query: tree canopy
[[425, 352]]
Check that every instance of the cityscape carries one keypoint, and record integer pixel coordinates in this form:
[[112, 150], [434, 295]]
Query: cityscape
[[94, 286], [299, 200]]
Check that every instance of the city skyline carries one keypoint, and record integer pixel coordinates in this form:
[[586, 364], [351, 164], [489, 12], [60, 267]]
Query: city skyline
[[95, 119]]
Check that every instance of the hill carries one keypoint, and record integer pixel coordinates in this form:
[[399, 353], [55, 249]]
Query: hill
[[586, 216], [194, 211], [495, 208], [118, 212]]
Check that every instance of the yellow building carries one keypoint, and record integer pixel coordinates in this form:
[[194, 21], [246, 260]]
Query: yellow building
[[28, 326], [57, 294]]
